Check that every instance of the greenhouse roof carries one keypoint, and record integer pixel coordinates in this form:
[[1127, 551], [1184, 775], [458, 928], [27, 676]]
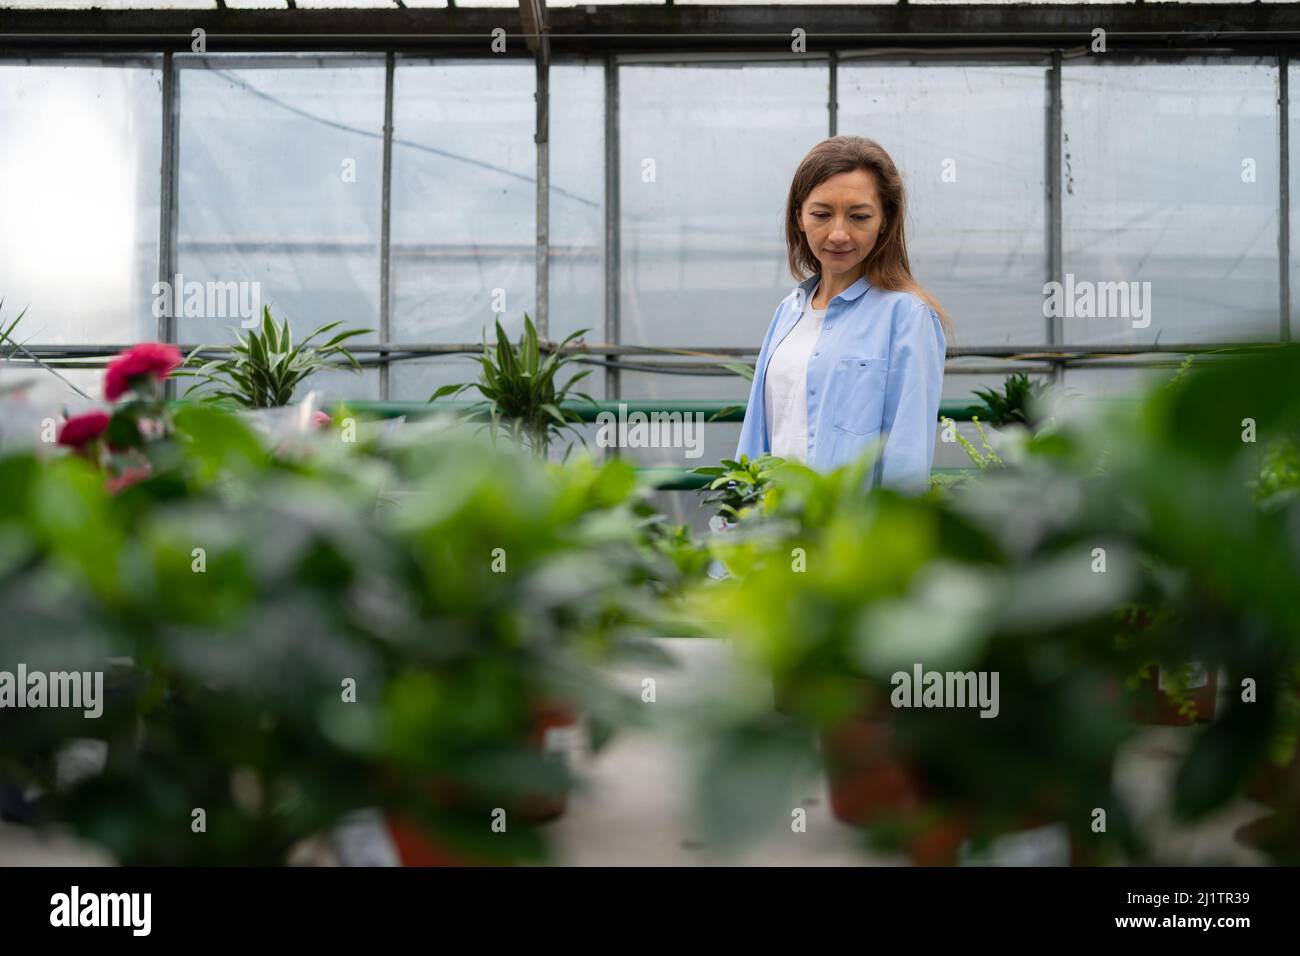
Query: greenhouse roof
[[108, 6], [636, 26]]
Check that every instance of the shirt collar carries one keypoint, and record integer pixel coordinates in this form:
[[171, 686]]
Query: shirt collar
[[849, 294]]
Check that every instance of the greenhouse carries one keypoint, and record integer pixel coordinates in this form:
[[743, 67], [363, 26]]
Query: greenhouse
[[622, 434]]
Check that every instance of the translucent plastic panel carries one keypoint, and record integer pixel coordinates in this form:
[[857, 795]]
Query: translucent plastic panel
[[969, 141], [1170, 199], [706, 158], [464, 188], [577, 207], [577, 227], [281, 180], [110, 4], [1122, 380], [79, 186]]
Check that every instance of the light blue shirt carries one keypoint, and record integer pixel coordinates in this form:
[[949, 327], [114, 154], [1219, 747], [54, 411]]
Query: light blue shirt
[[876, 370]]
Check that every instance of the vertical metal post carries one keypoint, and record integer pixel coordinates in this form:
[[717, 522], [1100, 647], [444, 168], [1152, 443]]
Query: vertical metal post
[[612, 253], [1055, 131], [167, 202], [1284, 197], [386, 229], [833, 102], [542, 139]]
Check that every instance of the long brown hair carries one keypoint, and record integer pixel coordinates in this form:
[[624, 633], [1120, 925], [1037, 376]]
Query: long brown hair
[[886, 265]]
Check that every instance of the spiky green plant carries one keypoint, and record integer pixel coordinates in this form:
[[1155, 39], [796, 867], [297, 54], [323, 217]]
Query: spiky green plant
[[1015, 404], [265, 370], [519, 389]]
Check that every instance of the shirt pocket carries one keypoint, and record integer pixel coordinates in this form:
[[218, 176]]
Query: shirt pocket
[[859, 395]]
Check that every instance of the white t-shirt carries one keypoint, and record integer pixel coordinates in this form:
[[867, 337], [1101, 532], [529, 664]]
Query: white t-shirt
[[786, 386]]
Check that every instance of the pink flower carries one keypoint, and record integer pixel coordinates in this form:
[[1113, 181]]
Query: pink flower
[[321, 419], [126, 479], [81, 430], [153, 359]]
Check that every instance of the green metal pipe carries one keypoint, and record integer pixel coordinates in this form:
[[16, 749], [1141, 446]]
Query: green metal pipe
[[712, 410]]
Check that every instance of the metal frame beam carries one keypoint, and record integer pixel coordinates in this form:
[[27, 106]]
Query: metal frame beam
[[628, 28], [1284, 197], [386, 229], [168, 203]]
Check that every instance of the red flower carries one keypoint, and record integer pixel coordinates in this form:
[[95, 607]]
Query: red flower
[[126, 479], [147, 359], [81, 430]]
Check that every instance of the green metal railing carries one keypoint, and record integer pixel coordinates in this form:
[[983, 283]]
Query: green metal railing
[[662, 478], [712, 410]]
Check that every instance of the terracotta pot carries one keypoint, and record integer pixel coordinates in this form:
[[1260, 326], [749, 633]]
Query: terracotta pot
[[553, 726], [416, 847], [552, 723], [865, 778], [868, 783]]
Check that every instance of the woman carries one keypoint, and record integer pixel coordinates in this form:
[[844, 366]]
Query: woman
[[856, 352]]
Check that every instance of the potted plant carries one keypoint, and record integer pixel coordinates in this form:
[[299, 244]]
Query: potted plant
[[265, 370], [520, 391], [1025, 572], [324, 649]]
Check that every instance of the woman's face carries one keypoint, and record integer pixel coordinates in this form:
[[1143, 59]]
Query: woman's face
[[842, 218]]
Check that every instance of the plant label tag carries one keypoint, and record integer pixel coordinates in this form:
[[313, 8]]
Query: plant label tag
[[361, 839], [559, 742], [1041, 846]]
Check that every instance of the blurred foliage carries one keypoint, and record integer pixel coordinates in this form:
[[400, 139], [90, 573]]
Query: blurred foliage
[[1032, 571], [461, 587], [465, 586]]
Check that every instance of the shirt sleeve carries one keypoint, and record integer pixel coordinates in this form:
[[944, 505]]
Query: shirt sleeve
[[754, 439], [913, 388]]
